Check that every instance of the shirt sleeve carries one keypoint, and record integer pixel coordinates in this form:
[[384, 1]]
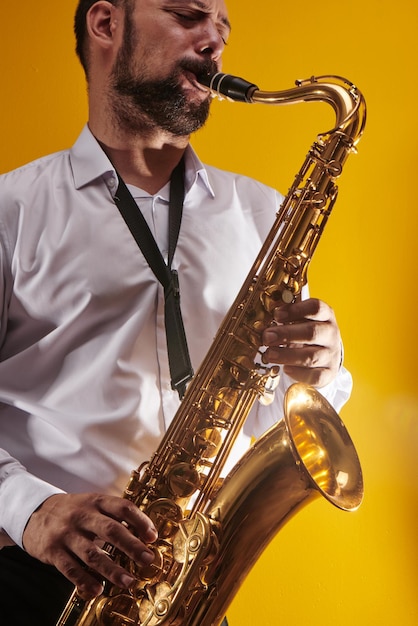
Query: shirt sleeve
[[21, 494]]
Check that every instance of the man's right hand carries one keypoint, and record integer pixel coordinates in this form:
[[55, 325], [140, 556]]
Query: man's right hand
[[68, 530]]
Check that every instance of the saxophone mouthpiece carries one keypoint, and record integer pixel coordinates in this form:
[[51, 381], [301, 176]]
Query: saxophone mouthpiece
[[228, 86]]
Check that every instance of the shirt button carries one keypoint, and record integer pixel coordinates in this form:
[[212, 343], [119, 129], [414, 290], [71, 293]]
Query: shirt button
[[112, 183]]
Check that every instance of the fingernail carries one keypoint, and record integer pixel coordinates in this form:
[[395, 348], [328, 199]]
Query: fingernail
[[147, 557], [269, 336], [93, 592], [281, 315], [151, 534], [126, 580]]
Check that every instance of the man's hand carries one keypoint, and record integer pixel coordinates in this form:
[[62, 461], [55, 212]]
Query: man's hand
[[67, 531], [305, 339]]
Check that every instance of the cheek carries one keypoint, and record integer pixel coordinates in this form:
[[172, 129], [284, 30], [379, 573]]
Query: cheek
[[158, 58]]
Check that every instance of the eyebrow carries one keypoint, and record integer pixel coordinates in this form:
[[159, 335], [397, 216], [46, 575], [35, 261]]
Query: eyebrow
[[204, 7]]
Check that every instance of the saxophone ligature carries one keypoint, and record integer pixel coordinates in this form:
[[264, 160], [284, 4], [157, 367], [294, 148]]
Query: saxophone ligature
[[213, 529]]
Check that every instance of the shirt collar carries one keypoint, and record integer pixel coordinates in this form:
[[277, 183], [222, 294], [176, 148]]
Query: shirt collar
[[89, 163], [195, 171]]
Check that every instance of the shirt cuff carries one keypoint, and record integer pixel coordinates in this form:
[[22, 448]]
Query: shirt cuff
[[22, 494], [339, 390]]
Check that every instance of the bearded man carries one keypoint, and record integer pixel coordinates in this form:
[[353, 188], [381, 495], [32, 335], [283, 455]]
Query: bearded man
[[86, 384]]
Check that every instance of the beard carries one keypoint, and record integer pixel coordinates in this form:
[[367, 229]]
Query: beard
[[144, 105], [157, 104]]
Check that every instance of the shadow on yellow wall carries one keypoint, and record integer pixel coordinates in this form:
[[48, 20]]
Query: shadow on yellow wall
[[325, 568]]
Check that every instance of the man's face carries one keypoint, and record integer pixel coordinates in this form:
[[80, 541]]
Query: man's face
[[167, 43]]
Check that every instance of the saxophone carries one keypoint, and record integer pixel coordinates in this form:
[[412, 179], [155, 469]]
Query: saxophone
[[213, 529]]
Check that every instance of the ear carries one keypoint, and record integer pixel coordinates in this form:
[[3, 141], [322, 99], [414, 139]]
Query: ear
[[103, 21]]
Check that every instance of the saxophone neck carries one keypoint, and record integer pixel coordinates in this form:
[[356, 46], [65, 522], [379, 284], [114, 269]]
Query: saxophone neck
[[344, 97]]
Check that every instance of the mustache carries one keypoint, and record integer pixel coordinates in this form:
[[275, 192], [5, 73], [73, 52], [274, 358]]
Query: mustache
[[199, 68]]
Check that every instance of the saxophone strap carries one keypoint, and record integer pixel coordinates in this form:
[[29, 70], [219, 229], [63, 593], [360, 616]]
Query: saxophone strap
[[181, 370]]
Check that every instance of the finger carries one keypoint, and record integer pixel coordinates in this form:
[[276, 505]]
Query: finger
[[86, 565], [100, 564], [301, 357], [88, 586], [119, 536], [308, 365], [323, 332], [98, 526], [312, 308], [317, 377], [125, 511], [307, 333]]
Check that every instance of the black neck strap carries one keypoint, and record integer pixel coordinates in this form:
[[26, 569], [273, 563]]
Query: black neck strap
[[178, 354]]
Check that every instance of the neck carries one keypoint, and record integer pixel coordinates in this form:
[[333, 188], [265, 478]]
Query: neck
[[144, 161]]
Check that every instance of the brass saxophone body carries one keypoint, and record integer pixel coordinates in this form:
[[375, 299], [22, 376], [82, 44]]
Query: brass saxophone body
[[212, 530]]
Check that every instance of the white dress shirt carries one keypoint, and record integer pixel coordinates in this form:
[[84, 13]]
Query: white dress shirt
[[85, 393]]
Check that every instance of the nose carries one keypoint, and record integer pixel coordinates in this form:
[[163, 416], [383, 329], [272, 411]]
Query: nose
[[211, 43]]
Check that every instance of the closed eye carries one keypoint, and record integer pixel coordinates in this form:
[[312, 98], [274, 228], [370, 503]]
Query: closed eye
[[189, 18]]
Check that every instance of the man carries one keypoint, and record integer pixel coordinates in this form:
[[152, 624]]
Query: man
[[84, 373]]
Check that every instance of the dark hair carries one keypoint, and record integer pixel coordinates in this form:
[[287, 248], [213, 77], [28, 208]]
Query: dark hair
[[80, 29]]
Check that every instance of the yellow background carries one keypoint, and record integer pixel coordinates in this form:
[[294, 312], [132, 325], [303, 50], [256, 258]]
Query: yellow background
[[325, 567]]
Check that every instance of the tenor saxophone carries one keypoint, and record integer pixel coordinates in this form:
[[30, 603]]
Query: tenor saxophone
[[213, 529]]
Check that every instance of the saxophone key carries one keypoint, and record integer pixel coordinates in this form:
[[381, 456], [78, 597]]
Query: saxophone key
[[207, 442], [270, 385], [192, 540], [155, 604], [146, 574], [183, 480], [165, 515], [119, 610]]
